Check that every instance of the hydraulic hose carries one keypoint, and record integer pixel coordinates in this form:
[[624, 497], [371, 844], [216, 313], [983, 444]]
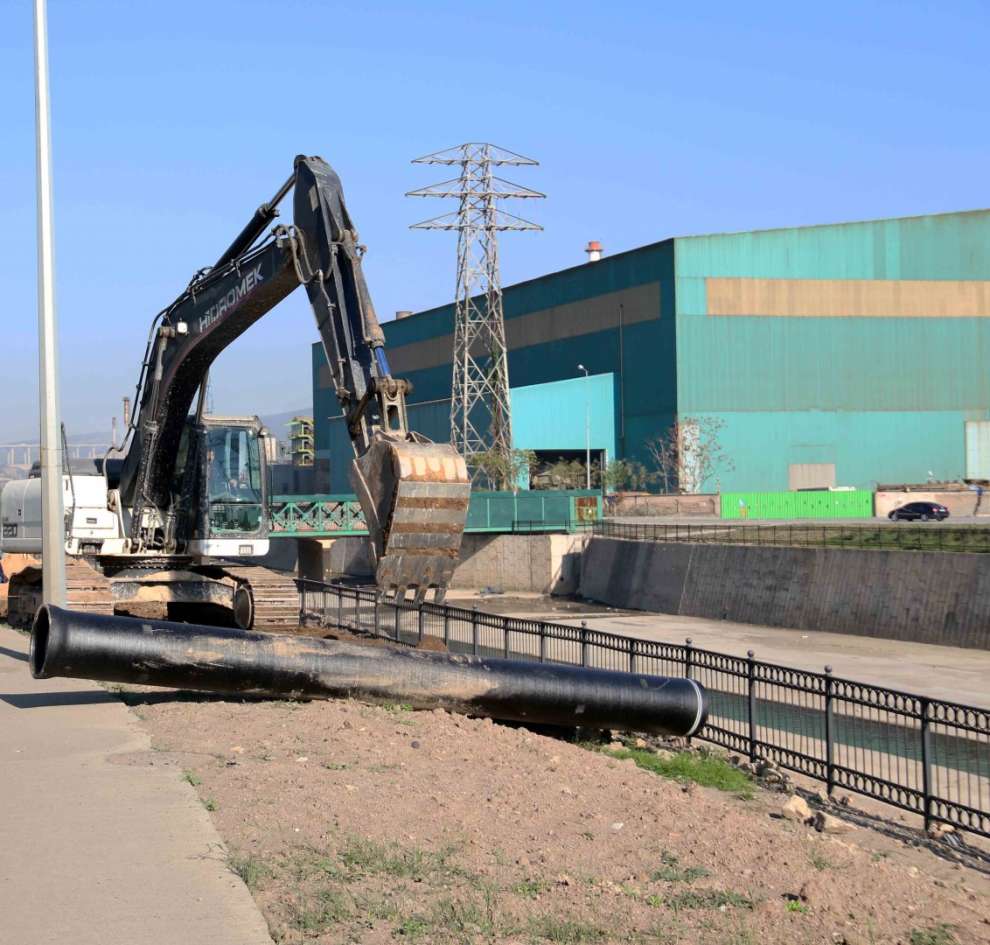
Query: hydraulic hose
[[186, 656]]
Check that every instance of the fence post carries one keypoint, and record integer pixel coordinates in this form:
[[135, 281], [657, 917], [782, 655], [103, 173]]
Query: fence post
[[302, 601], [632, 654], [474, 629], [926, 762], [340, 608], [689, 664], [751, 704], [396, 620], [419, 623], [505, 638], [584, 642], [376, 616], [543, 641], [829, 734], [446, 627]]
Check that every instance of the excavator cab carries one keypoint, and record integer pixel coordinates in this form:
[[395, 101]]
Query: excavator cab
[[221, 475]]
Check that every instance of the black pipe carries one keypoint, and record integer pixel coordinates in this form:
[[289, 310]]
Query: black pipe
[[185, 656]]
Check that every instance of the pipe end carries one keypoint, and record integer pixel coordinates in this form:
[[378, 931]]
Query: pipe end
[[41, 640]]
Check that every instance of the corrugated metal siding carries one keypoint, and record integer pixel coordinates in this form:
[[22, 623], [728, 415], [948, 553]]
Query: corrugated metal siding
[[882, 398], [785, 505], [544, 416]]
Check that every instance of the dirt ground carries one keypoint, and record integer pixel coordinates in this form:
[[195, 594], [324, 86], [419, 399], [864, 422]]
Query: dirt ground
[[370, 824]]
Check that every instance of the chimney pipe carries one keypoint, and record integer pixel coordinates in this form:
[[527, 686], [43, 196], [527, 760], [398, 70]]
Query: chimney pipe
[[127, 413], [594, 250]]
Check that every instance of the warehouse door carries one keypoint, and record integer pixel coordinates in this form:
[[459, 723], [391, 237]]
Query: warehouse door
[[978, 449], [811, 475]]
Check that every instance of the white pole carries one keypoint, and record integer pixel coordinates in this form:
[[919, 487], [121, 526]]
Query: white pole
[[53, 526], [587, 427]]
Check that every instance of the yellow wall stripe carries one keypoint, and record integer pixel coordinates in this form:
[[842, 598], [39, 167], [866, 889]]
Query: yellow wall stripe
[[849, 298]]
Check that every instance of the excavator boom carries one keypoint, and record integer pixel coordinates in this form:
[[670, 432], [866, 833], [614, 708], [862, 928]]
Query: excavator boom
[[414, 493]]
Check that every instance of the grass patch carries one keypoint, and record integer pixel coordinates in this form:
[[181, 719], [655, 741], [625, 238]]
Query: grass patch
[[940, 934], [706, 770], [190, 777], [320, 912], [251, 869], [551, 928], [362, 857], [211, 805], [413, 927], [708, 899], [794, 906], [530, 888], [672, 872], [818, 860]]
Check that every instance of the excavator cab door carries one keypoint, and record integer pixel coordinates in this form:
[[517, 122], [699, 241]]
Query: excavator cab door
[[232, 493]]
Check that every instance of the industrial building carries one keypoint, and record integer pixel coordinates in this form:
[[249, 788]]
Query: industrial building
[[834, 355]]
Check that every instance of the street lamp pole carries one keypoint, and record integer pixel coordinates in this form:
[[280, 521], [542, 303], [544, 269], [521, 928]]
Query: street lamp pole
[[52, 524], [587, 428]]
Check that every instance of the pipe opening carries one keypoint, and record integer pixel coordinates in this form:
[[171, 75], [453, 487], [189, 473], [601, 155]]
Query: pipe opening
[[39, 643]]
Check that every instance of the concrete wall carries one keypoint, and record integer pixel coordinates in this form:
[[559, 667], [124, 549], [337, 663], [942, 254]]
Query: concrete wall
[[957, 502], [917, 596], [542, 564], [650, 505]]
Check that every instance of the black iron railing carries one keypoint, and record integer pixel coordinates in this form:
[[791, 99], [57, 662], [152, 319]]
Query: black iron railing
[[896, 536], [923, 755]]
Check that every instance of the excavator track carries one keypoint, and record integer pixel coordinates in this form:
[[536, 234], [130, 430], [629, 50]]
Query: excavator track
[[275, 597], [86, 590]]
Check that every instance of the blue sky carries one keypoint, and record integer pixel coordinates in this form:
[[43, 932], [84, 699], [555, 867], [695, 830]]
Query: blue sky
[[173, 121]]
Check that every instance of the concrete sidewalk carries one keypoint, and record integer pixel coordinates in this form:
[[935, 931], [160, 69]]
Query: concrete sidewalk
[[100, 840]]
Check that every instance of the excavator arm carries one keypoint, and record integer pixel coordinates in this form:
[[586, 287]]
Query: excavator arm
[[414, 493]]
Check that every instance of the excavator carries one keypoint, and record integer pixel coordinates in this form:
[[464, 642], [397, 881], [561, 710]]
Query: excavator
[[166, 524]]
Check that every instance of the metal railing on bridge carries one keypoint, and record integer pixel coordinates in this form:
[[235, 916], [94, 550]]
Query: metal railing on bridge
[[924, 755], [330, 516], [896, 536]]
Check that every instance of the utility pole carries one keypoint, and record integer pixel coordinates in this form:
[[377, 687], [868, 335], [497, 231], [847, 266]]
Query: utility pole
[[480, 419], [587, 428], [52, 512]]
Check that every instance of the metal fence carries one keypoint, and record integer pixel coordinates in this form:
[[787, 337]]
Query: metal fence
[[923, 755], [900, 537]]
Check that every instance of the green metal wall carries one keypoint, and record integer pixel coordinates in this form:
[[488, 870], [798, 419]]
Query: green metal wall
[[639, 357], [884, 398], [544, 417], [786, 505]]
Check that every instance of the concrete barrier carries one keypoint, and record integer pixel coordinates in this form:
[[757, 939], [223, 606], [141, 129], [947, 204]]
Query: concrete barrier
[[923, 597], [542, 563], [641, 503]]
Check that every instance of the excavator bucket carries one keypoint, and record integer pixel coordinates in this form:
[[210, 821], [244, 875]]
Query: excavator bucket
[[415, 500]]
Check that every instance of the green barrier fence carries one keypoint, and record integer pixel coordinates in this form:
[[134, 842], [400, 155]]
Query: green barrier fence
[[854, 503], [314, 516]]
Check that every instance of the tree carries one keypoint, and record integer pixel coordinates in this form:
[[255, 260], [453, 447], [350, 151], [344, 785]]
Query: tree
[[623, 474], [566, 474], [504, 472], [689, 455]]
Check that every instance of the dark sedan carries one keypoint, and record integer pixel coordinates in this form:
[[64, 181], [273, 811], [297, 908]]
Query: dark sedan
[[919, 512]]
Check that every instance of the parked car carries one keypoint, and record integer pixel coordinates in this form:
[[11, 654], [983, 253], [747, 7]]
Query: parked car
[[920, 512]]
